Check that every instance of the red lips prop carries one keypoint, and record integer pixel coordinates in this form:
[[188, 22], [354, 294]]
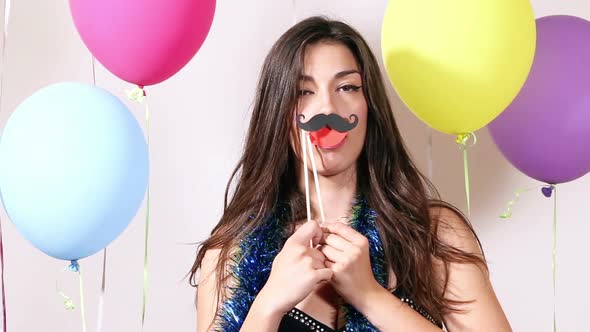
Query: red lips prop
[[327, 138]]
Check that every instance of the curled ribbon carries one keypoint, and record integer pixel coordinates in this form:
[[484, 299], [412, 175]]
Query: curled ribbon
[[68, 303], [139, 95], [136, 94], [547, 191], [464, 142]]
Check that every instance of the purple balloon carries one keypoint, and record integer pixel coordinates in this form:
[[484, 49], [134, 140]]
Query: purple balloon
[[545, 132]]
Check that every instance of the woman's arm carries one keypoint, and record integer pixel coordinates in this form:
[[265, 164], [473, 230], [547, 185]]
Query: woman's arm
[[347, 252], [259, 318], [468, 282], [206, 291], [389, 314], [297, 266]]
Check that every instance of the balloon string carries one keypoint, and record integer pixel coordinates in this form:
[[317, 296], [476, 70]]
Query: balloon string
[[429, 154], [2, 261], [147, 225], [462, 140], [554, 263], [93, 70], [139, 95], [294, 4], [3, 284], [102, 292], [508, 212], [547, 191], [100, 315], [82, 310], [68, 303], [467, 186]]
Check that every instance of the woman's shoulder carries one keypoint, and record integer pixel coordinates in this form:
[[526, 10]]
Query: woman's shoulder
[[453, 228], [211, 256], [209, 264], [207, 294]]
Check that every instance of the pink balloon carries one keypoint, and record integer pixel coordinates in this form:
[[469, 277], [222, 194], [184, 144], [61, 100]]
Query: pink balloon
[[143, 42]]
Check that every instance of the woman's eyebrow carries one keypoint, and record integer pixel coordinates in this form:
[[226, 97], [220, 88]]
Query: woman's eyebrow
[[346, 72], [308, 78]]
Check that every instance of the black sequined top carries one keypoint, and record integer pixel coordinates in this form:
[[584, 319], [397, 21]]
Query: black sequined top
[[297, 320]]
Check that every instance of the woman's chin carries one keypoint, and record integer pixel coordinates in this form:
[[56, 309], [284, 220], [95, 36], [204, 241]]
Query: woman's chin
[[333, 167]]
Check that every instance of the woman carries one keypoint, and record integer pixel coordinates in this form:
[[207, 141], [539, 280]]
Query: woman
[[389, 256]]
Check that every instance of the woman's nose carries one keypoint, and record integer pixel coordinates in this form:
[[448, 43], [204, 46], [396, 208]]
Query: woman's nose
[[327, 103]]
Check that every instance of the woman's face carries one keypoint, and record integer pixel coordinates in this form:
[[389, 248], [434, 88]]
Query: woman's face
[[331, 83]]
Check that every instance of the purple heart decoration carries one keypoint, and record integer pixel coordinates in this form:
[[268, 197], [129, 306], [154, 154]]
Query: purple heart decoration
[[547, 191]]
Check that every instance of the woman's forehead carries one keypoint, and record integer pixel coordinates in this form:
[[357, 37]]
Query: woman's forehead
[[329, 60]]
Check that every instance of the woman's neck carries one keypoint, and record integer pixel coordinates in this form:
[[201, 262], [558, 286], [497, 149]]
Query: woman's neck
[[338, 193]]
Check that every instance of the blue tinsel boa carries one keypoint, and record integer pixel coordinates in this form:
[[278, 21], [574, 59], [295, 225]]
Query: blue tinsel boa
[[250, 267]]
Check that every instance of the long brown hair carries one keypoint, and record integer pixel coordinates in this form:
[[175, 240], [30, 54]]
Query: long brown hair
[[387, 178]]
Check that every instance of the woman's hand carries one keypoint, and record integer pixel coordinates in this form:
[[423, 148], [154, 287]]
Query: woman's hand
[[347, 254], [296, 270]]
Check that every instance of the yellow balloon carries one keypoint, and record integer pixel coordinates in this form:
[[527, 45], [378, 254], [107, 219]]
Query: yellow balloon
[[457, 64]]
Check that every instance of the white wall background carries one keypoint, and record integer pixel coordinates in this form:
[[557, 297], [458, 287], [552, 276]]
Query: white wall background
[[188, 176]]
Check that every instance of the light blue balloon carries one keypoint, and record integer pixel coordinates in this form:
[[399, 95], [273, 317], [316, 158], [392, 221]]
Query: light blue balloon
[[73, 169]]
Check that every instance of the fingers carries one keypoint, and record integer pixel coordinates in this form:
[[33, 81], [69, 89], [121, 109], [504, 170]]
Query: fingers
[[315, 259], [346, 232], [317, 264], [324, 274], [333, 254], [336, 241], [312, 258], [308, 231], [315, 254], [318, 235]]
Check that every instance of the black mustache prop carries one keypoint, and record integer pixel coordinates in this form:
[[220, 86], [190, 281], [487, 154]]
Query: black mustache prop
[[334, 121]]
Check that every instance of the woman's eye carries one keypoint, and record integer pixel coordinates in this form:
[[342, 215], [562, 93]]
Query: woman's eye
[[350, 88], [303, 92]]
